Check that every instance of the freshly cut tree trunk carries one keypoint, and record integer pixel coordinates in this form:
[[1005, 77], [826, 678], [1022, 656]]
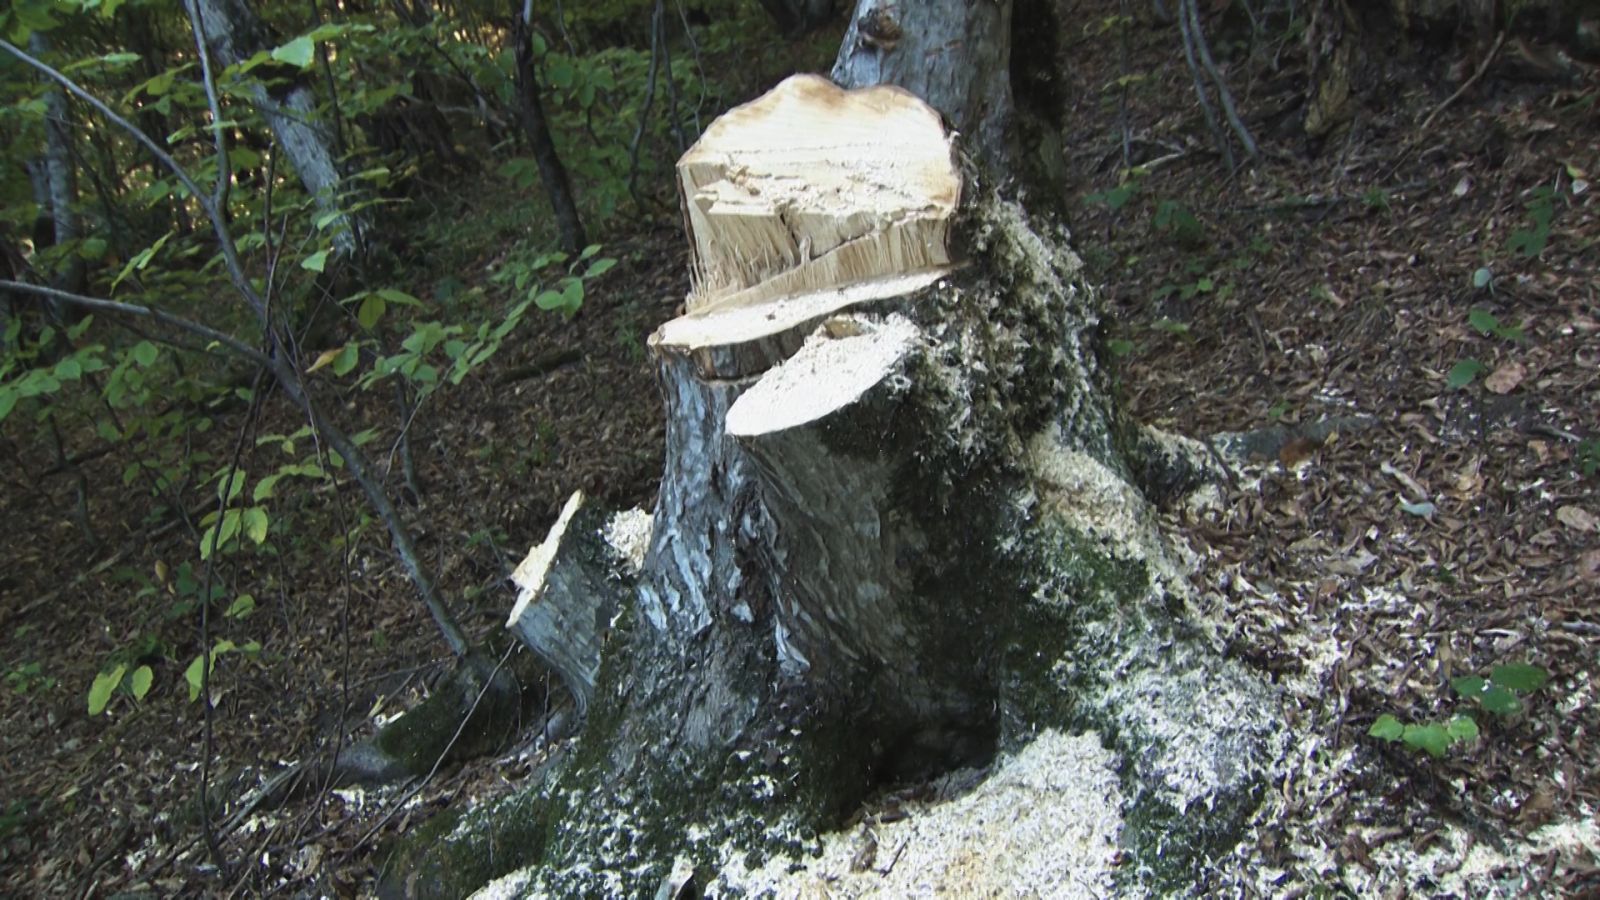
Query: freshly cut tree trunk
[[898, 540]]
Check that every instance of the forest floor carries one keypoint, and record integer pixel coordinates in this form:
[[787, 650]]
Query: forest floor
[[1426, 281]]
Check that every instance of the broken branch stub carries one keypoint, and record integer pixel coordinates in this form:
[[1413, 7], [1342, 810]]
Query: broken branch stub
[[806, 201]]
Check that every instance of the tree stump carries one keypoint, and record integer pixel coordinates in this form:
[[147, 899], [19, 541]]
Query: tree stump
[[902, 538]]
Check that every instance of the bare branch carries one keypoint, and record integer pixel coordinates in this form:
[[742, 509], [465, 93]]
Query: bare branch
[[230, 253], [117, 307]]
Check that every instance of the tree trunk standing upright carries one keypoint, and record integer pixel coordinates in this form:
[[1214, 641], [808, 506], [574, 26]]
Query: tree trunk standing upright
[[58, 176], [234, 33], [551, 172], [955, 56], [899, 532]]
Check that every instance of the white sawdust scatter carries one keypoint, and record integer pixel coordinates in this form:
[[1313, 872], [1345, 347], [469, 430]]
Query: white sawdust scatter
[[1046, 822], [628, 533]]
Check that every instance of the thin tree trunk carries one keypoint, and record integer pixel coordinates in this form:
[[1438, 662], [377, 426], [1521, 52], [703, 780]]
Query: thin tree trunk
[[60, 178], [551, 172], [234, 33]]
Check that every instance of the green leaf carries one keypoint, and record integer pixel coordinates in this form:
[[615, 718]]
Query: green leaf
[[299, 52], [399, 297], [600, 267], [372, 309], [1469, 686], [560, 72], [8, 401], [1482, 277], [1387, 728], [1499, 701], [217, 536], [100, 690], [316, 262], [1484, 321], [1462, 728], [92, 248], [254, 521], [1431, 738], [141, 259], [192, 675], [346, 360], [229, 487], [144, 353], [265, 486], [1119, 348], [1423, 509], [1519, 677], [140, 682], [1462, 373], [242, 606]]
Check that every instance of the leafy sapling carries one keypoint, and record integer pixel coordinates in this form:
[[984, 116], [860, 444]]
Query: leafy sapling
[[1500, 694]]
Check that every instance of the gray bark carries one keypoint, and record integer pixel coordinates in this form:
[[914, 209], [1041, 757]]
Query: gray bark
[[955, 56], [898, 534], [57, 175], [234, 33]]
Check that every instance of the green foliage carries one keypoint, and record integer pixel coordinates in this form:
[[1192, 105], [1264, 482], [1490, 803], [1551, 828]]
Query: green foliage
[[1588, 456], [1487, 325], [1499, 694], [1174, 219], [205, 664], [106, 684], [29, 678], [1464, 372], [1530, 242]]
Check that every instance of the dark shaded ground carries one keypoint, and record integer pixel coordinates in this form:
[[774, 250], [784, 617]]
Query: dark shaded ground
[[1310, 286]]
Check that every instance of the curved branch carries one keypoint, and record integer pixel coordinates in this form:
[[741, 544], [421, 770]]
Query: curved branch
[[116, 307], [230, 253]]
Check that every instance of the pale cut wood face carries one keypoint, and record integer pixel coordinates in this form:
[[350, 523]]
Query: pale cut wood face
[[812, 198]]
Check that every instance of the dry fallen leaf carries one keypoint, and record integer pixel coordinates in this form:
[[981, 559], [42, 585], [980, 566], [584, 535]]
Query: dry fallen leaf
[[323, 358], [1505, 379], [1297, 451], [1577, 518], [1589, 564]]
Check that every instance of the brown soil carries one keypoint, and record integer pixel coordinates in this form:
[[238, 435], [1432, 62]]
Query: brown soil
[[1312, 285]]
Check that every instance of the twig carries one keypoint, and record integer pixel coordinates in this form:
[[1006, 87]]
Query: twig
[[1224, 95], [1220, 139], [1465, 85], [117, 307]]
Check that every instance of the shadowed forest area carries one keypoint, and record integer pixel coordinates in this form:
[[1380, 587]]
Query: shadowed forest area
[[308, 337]]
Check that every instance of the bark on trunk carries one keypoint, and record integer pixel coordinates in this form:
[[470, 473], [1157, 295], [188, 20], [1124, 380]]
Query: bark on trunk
[[551, 172], [897, 535], [955, 56], [59, 177], [234, 33]]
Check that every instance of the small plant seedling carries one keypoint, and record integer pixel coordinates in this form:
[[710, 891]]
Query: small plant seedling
[[1433, 738], [1499, 694], [1488, 325], [1171, 326], [29, 677], [1530, 242], [1588, 457], [1463, 372]]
